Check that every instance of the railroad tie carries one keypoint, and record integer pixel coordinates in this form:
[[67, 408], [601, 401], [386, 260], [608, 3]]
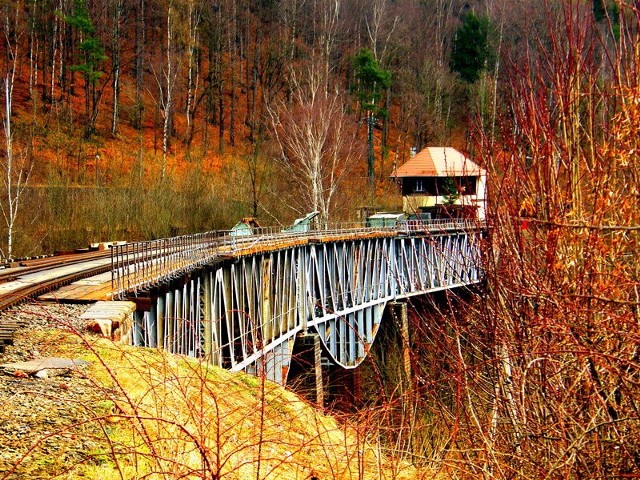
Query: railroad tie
[[7, 329]]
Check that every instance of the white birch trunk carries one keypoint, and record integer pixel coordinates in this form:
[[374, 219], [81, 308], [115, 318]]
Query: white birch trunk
[[168, 100], [117, 13], [192, 67], [15, 177]]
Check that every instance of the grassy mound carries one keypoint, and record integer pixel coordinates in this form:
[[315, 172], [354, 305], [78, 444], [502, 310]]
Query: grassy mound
[[142, 413]]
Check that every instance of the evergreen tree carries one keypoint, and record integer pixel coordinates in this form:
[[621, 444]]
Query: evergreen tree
[[451, 193], [90, 58], [472, 52], [599, 10], [371, 81]]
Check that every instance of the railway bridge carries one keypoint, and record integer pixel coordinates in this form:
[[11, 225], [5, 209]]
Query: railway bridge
[[247, 300], [242, 302]]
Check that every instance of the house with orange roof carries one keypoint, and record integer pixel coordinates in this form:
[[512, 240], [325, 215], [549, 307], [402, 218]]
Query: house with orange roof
[[440, 182]]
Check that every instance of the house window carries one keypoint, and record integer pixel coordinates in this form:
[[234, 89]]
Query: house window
[[419, 187]]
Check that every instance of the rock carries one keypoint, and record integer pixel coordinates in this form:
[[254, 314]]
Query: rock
[[20, 374], [47, 363], [42, 374]]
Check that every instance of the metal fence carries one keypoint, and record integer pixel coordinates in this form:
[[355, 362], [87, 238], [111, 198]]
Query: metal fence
[[138, 266]]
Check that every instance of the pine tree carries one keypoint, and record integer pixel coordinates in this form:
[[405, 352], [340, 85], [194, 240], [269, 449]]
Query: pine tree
[[91, 57], [371, 81], [472, 52]]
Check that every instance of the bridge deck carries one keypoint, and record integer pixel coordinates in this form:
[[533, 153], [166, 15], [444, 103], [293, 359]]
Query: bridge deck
[[88, 290], [99, 287], [241, 301]]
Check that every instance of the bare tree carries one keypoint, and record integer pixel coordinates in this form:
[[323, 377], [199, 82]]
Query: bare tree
[[166, 81], [329, 14], [115, 63], [14, 169], [193, 71], [380, 24], [561, 310], [140, 46], [317, 140]]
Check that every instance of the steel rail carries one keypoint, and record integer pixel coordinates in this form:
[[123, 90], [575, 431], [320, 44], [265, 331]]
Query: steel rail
[[11, 273], [29, 291], [8, 326]]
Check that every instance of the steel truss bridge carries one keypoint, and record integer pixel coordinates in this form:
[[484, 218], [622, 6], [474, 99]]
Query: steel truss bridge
[[240, 302]]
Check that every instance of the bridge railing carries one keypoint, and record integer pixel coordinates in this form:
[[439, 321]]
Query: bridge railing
[[140, 265]]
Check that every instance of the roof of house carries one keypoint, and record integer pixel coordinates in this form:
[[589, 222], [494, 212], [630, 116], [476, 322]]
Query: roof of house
[[438, 162]]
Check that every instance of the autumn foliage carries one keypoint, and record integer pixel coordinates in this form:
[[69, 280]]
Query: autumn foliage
[[535, 375], [551, 384]]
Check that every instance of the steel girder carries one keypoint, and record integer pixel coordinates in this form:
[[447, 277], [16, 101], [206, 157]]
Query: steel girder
[[245, 314]]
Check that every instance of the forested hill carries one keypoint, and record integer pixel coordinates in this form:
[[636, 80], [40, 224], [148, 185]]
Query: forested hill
[[145, 118], [127, 119]]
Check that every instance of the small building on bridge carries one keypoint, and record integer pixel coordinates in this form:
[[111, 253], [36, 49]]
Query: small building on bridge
[[440, 182]]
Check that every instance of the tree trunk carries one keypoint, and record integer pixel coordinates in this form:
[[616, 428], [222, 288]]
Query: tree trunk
[[193, 71], [115, 64], [232, 73], [15, 177], [385, 131], [33, 51], [220, 73], [168, 97], [140, 40], [8, 210]]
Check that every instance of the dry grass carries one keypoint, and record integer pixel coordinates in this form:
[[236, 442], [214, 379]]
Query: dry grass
[[162, 416]]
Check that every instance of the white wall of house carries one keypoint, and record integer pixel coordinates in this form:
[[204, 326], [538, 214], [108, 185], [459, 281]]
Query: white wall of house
[[412, 203]]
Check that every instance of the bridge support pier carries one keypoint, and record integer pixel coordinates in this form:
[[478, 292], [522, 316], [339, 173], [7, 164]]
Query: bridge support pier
[[400, 314], [344, 388], [305, 374]]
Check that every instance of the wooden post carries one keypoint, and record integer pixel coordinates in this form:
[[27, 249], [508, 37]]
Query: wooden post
[[406, 341], [317, 357]]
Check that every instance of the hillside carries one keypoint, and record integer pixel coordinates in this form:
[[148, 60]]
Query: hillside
[[136, 412], [138, 119]]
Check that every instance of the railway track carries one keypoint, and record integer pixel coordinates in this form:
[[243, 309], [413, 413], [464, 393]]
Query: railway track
[[12, 271], [33, 288]]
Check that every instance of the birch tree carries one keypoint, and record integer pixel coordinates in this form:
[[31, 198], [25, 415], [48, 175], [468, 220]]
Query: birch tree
[[317, 142], [193, 65], [166, 81], [14, 170]]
